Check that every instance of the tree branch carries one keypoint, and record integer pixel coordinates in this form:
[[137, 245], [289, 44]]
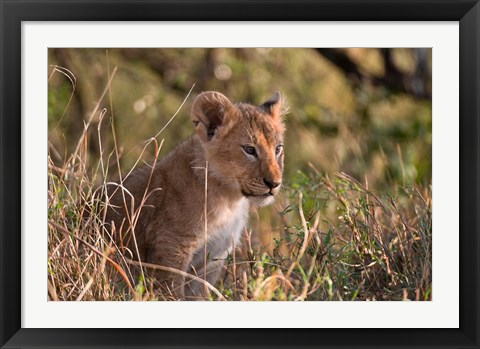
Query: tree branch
[[394, 80]]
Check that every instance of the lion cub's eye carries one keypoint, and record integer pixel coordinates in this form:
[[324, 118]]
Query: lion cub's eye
[[278, 149], [249, 150]]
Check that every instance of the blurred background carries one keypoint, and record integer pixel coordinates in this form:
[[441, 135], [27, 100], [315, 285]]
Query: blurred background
[[366, 112]]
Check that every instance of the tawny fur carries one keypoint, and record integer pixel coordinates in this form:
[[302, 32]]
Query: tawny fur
[[169, 227]]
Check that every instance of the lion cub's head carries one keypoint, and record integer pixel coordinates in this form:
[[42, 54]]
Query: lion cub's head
[[243, 143]]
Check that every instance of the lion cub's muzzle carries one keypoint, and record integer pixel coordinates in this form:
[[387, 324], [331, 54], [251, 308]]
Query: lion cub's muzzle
[[272, 188]]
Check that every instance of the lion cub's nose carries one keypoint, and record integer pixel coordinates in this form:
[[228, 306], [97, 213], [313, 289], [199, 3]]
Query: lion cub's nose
[[270, 184]]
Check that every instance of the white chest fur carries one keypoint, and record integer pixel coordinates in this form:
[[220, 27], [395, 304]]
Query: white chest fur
[[226, 226]]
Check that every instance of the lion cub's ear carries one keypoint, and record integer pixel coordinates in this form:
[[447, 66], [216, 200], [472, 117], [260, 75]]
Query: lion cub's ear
[[209, 111], [275, 106]]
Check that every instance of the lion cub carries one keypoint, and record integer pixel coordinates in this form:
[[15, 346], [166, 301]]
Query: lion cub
[[158, 214]]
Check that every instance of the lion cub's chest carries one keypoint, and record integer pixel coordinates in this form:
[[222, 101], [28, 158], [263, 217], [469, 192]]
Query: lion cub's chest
[[224, 225]]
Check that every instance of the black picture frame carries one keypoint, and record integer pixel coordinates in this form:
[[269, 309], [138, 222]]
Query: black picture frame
[[13, 12]]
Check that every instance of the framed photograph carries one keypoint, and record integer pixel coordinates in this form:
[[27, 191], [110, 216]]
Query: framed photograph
[[297, 174]]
